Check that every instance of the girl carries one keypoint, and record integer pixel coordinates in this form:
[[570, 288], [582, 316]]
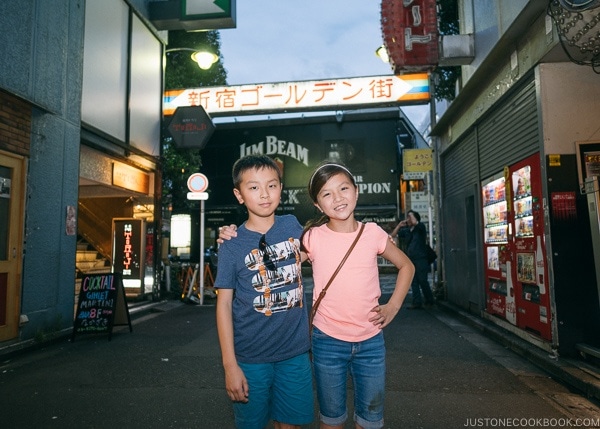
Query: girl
[[348, 322]]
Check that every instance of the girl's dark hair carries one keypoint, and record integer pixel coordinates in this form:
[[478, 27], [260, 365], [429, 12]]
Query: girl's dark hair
[[323, 172], [249, 162]]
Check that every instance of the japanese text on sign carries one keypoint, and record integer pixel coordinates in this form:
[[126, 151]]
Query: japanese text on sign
[[128, 260], [127, 232], [592, 164], [417, 160], [307, 95], [410, 34]]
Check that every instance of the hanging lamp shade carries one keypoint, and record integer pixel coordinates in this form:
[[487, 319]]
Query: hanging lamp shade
[[204, 59]]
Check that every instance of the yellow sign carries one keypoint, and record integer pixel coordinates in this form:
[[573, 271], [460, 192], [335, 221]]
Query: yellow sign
[[417, 160], [130, 178]]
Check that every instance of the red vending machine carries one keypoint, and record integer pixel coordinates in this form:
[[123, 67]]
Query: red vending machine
[[515, 265], [500, 294], [528, 248]]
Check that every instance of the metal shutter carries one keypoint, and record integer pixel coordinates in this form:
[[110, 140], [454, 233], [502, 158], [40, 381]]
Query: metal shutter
[[460, 166], [510, 132]]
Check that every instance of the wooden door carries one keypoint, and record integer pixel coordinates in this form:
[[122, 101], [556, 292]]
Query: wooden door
[[12, 180]]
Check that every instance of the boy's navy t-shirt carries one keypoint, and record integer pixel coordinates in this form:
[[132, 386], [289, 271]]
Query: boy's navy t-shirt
[[270, 321]]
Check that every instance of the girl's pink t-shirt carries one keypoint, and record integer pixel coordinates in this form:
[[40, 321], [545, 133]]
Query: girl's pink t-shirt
[[355, 291]]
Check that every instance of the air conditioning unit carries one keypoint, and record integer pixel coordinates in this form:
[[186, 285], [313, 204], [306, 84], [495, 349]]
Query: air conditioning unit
[[456, 50]]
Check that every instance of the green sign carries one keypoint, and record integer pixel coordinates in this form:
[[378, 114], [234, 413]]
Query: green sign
[[204, 9]]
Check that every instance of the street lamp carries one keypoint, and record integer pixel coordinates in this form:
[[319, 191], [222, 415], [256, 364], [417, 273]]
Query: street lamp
[[204, 59], [382, 53]]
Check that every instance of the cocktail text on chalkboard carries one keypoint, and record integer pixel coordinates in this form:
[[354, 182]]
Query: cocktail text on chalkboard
[[101, 305]]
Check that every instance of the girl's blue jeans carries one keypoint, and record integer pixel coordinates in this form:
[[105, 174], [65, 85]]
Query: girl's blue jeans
[[333, 359]]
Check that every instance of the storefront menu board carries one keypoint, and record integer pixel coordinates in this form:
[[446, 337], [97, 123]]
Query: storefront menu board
[[101, 305]]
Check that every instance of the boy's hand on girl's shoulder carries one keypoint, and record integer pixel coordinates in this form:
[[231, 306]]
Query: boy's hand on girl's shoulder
[[227, 232]]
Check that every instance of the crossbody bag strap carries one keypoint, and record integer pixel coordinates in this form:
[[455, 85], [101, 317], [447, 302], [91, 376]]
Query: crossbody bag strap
[[313, 310]]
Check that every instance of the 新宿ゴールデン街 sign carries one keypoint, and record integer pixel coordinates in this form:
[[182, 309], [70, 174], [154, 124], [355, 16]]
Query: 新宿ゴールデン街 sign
[[305, 95]]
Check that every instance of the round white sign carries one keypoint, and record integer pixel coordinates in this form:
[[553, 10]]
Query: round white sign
[[197, 182]]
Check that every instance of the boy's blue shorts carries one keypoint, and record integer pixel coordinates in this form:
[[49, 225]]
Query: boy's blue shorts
[[279, 391]]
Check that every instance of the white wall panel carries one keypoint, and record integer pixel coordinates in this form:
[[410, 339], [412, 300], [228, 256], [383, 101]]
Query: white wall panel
[[145, 89], [105, 67]]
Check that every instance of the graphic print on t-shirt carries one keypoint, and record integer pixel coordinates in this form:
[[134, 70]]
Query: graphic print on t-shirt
[[273, 275]]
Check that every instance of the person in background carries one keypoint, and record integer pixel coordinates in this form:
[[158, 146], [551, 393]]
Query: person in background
[[347, 333], [413, 233], [262, 321]]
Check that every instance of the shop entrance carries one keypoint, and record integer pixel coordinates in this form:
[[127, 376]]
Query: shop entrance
[[11, 215]]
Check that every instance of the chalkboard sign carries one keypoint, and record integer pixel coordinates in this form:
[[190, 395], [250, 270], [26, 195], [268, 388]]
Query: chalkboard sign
[[101, 305]]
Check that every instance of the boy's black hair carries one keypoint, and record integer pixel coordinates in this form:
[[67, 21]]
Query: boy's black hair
[[248, 162]]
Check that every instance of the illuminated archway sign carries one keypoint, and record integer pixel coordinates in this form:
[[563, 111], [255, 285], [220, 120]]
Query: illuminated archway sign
[[315, 95]]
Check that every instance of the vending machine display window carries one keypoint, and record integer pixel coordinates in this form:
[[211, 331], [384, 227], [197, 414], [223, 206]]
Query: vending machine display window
[[523, 202], [526, 267], [495, 212], [493, 261]]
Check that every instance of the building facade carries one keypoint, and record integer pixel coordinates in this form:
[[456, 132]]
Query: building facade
[[515, 149], [80, 113]]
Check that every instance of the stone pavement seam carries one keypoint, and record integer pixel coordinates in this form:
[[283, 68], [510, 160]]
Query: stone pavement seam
[[566, 370]]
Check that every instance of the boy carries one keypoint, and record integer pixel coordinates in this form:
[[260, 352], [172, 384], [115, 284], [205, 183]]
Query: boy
[[261, 318]]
